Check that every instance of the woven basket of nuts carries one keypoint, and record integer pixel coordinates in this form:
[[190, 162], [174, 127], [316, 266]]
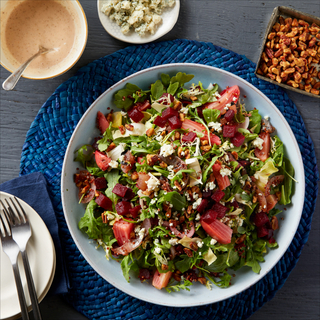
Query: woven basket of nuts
[[290, 52]]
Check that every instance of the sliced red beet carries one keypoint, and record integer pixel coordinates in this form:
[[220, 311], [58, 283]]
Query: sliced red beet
[[238, 139], [141, 160], [129, 195], [102, 122], [101, 183], [122, 231], [270, 234], [189, 137], [102, 160], [244, 163], [203, 205], [175, 122], [123, 207], [209, 216], [135, 211], [119, 190], [262, 232], [229, 130], [234, 204], [217, 195], [220, 209], [104, 202], [260, 219], [160, 122], [206, 194], [143, 106], [169, 112], [229, 115], [144, 274], [135, 114]]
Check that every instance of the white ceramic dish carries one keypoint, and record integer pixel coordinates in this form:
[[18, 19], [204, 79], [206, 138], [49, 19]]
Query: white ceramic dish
[[199, 294], [76, 10], [169, 19], [42, 259]]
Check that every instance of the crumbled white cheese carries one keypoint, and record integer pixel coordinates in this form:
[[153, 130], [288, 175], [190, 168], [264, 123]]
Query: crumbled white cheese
[[195, 196], [213, 241], [239, 221], [234, 98], [124, 114], [197, 203], [157, 250], [184, 110], [257, 142], [153, 201], [266, 117], [153, 182], [200, 244], [225, 146], [166, 150], [215, 125], [198, 217], [110, 216], [156, 241], [217, 94], [210, 186], [141, 233], [137, 229], [200, 253], [113, 164], [225, 172], [171, 224], [173, 241]]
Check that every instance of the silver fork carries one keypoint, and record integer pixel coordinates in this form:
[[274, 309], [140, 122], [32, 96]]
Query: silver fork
[[11, 249], [21, 233]]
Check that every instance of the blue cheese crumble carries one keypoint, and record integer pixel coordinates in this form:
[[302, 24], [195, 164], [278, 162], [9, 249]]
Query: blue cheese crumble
[[141, 16]]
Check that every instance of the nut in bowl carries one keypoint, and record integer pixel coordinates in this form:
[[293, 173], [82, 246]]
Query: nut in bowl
[[290, 52], [26, 25]]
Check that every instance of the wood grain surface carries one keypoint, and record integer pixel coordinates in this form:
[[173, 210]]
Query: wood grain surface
[[235, 25]]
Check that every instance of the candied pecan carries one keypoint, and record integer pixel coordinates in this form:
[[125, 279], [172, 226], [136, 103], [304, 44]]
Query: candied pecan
[[168, 213], [202, 280], [254, 199], [187, 154], [288, 21], [289, 70], [206, 148], [132, 235], [178, 185], [297, 77], [152, 159], [269, 53], [104, 217], [211, 177], [176, 135], [176, 276], [150, 132], [109, 116], [189, 210], [307, 87], [317, 86], [293, 32], [275, 61], [177, 105], [281, 20], [193, 98], [164, 267], [188, 252], [303, 23], [241, 239], [134, 176], [122, 129], [311, 52], [111, 146], [292, 83], [193, 246], [235, 154], [182, 219], [271, 35], [274, 223], [163, 164], [294, 23], [264, 57], [314, 91], [204, 142], [276, 26], [259, 71], [181, 116], [129, 127]]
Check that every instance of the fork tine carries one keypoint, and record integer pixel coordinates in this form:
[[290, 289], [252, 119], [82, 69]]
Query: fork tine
[[6, 213], [5, 224], [13, 217], [22, 213]]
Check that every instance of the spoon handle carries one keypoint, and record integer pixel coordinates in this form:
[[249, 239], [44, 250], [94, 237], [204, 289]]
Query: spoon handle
[[12, 80]]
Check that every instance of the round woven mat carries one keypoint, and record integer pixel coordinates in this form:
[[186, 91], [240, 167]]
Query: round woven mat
[[47, 141]]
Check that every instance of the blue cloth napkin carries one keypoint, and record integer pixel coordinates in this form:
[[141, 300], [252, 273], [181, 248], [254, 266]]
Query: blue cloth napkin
[[32, 189]]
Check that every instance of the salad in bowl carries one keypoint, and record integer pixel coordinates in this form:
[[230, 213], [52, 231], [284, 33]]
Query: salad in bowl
[[183, 184]]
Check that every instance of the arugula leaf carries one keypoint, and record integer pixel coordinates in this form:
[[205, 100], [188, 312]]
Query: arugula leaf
[[157, 89], [178, 201], [178, 287], [96, 171], [184, 264], [205, 174], [277, 151], [223, 281], [224, 260], [121, 97], [112, 178], [88, 222], [286, 188], [84, 154], [240, 118], [211, 115], [255, 121], [248, 135], [165, 78], [127, 264], [107, 138], [182, 78], [173, 87]]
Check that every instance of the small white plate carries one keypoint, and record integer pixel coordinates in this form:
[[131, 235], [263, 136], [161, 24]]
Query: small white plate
[[42, 259], [169, 19]]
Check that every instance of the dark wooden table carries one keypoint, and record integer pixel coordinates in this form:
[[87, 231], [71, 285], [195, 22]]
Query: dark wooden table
[[235, 25]]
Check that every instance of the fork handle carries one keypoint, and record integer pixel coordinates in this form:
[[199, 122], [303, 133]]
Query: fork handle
[[32, 290], [22, 300]]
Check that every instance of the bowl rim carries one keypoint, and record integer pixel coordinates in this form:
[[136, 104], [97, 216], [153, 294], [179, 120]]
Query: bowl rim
[[75, 61], [222, 296], [142, 41]]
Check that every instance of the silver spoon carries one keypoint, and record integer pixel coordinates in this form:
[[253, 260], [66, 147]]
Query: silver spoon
[[12, 80]]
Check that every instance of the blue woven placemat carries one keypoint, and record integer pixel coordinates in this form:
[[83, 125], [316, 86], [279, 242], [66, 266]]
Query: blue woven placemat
[[47, 141]]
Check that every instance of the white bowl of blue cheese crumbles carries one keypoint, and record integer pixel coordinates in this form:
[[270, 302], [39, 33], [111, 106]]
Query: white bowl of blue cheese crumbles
[[138, 21]]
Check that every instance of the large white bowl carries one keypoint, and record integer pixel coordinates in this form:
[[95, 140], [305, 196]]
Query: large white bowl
[[199, 294]]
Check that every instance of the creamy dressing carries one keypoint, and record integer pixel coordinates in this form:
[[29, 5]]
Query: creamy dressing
[[33, 23]]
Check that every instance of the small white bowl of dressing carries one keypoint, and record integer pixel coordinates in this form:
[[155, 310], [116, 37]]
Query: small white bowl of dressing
[[54, 24]]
